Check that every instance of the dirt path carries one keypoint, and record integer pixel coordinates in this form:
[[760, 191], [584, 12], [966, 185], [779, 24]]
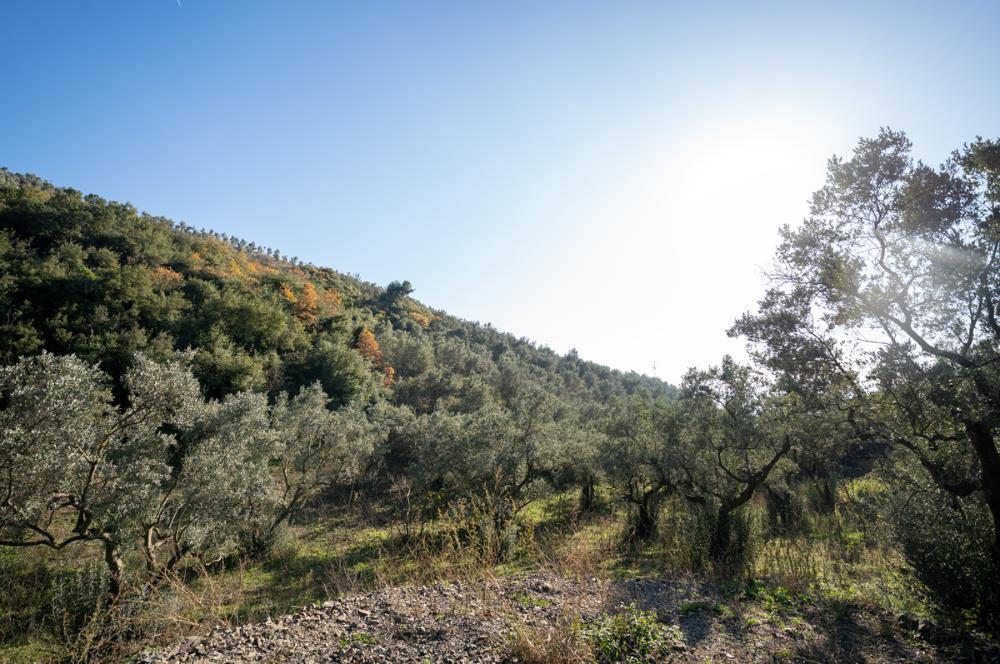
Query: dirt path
[[466, 622]]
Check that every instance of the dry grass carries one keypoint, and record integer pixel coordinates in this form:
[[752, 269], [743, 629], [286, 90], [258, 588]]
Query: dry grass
[[561, 643], [356, 550]]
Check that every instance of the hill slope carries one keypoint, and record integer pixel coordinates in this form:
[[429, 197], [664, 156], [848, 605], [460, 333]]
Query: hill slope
[[99, 279]]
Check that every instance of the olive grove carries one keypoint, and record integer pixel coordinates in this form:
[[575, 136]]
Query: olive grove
[[166, 475]]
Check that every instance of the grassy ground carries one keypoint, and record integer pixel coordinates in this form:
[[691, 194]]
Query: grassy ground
[[836, 568]]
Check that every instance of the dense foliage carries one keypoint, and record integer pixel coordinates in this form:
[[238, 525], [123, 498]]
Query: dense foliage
[[884, 309], [77, 469], [98, 279]]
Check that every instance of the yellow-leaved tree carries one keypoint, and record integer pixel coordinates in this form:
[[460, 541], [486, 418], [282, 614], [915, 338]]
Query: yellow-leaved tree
[[367, 345]]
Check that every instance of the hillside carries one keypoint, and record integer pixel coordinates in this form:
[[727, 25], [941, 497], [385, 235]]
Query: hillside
[[97, 278]]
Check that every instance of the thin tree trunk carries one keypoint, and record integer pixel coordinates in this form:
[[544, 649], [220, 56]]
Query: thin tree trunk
[[722, 535], [828, 495], [587, 495], [779, 509]]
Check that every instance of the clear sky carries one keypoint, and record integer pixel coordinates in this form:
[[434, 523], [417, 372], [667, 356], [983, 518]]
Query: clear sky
[[607, 176]]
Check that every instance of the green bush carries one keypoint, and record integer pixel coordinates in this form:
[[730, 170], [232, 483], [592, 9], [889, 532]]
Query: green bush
[[630, 636], [487, 525], [74, 596], [24, 596], [786, 508], [947, 541]]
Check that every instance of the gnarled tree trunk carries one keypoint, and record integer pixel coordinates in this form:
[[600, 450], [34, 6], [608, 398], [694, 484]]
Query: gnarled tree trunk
[[984, 445], [116, 567], [646, 517]]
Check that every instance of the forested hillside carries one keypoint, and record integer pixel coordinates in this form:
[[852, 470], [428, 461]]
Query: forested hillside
[[98, 279], [198, 431]]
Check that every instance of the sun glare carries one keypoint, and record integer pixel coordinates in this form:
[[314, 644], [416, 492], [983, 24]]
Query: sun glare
[[699, 224]]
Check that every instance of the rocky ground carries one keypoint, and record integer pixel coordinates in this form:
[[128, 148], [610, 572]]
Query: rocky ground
[[472, 622]]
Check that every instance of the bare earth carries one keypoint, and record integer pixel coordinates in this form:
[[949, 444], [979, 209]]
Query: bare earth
[[472, 622]]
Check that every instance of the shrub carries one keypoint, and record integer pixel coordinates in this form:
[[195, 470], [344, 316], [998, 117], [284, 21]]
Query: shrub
[[487, 526], [685, 535], [629, 636], [25, 583], [947, 541], [745, 528]]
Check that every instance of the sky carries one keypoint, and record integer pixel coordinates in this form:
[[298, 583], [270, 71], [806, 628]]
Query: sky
[[604, 176]]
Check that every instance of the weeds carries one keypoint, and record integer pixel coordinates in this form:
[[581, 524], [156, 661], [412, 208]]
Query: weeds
[[830, 561], [561, 643], [629, 636], [704, 606], [359, 638], [524, 599]]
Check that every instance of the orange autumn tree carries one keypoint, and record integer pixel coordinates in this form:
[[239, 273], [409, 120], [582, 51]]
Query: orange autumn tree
[[304, 300], [332, 301], [288, 294], [308, 304], [420, 317], [163, 278], [367, 345]]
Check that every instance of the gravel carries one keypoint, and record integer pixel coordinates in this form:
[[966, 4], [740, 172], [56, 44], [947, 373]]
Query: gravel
[[463, 622], [455, 622]]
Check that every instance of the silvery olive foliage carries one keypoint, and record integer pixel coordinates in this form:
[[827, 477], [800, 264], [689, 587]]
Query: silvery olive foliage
[[503, 448], [890, 288], [167, 475], [736, 429], [309, 448], [221, 473], [76, 468], [638, 455]]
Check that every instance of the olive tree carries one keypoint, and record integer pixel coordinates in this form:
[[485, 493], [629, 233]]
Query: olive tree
[[311, 448], [583, 466], [639, 456], [244, 468], [715, 446], [221, 475], [891, 289], [166, 475], [499, 433], [74, 467], [491, 456], [735, 431], [490, 450]]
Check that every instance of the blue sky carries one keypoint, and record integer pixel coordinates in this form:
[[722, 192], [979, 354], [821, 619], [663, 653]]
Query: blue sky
[[604, 176]]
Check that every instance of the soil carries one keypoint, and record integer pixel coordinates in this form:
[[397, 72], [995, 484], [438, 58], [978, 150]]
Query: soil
[[473, 622]]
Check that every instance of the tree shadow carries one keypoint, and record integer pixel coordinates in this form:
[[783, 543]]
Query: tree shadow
[[850, 632]]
